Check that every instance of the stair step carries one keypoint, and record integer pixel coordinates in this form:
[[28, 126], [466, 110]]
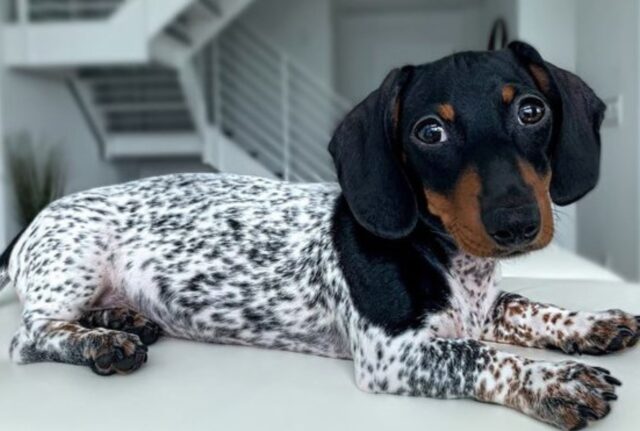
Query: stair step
[[178, 34], [148, 121], [115, 128], [212, 6], [143, 107], [126, 72], [66, 10], [153, 145], [113, 97]]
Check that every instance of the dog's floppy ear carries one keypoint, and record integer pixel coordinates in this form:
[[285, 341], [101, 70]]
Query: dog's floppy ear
[[578, 114], [365, 152]]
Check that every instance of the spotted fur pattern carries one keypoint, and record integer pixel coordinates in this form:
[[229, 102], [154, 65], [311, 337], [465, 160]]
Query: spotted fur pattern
[[516, 320], [242, 260]]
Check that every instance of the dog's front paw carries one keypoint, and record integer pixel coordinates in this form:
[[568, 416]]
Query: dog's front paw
[[567, 395], [111, 352], [604, 332]]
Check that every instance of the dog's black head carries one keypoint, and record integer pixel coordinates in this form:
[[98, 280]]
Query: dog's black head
[[480, 142]]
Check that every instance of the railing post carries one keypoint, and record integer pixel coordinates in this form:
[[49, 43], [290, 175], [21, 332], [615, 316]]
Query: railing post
[[217, 99], [22, 12], [216, 93], [286, 109], [74, 10]]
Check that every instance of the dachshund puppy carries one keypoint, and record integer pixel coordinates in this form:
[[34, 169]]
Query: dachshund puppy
[[443, 170]]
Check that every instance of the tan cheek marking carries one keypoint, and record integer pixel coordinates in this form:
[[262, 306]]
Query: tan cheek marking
[[447, 112], [508, 93], [540, 185], [460, 214]]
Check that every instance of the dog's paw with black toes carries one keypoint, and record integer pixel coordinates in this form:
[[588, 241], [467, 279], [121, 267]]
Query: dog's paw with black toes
[[115, 353], [123, 319], [149, 333], [606, 332], [572, 395]]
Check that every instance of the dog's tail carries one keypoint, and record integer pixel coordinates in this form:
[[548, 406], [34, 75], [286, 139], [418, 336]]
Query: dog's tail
[[4, 261]]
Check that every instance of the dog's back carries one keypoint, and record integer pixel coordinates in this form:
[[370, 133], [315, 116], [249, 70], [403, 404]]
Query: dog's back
[[214, 257]]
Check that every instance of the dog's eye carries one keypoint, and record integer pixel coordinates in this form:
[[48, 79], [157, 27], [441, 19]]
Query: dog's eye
[[531, 110], [430, 131]]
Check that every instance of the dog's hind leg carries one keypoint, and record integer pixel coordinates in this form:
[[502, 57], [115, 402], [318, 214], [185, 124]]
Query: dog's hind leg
[[54, 301], [123, 319], [104, 351]]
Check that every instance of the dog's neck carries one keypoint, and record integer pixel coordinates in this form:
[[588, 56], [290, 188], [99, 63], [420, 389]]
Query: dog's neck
[[430, 234], [482, 269]]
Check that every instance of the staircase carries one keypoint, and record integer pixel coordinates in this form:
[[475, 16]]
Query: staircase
[[136, 111], [181, 78]]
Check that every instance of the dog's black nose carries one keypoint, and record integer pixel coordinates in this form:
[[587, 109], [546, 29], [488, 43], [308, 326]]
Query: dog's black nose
[[513, 227]]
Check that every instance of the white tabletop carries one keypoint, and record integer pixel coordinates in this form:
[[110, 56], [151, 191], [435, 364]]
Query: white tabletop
[[193, 386]]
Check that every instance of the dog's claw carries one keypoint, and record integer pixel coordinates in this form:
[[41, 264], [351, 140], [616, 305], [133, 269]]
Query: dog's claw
[[603, 370], [626, 331], [587, 412], [612, 380]]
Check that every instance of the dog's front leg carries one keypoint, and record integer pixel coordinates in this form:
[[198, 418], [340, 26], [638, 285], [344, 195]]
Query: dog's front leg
[[566, 394], [516, 320]]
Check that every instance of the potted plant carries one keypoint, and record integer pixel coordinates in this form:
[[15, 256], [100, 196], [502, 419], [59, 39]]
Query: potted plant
[[36, 172]]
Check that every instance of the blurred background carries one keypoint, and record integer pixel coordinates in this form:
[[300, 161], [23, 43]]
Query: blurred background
[[96, 92]]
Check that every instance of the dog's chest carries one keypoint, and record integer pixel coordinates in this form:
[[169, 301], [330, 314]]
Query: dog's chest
[[472, 282]]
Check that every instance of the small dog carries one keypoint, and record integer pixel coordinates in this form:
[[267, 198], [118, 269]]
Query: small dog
[[444, 169]]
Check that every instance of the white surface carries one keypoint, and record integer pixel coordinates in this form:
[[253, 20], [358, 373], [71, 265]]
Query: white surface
[[554, 262], [195, 386]]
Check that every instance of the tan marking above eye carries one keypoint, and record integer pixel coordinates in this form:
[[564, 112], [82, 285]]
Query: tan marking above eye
[[508, 93], [540, 76], [446, 112]]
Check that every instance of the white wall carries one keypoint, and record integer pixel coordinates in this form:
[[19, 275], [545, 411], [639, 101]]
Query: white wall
[[608, 45], [373, 36], [373, 39], [302, 28], [505, 9], [43, 107], [3, 178], [549, 25]]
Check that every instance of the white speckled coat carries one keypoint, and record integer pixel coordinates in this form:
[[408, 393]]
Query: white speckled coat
[[242, 260]]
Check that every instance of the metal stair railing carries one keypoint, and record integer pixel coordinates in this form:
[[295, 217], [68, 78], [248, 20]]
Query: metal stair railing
[[258, 96], [273, 107]]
